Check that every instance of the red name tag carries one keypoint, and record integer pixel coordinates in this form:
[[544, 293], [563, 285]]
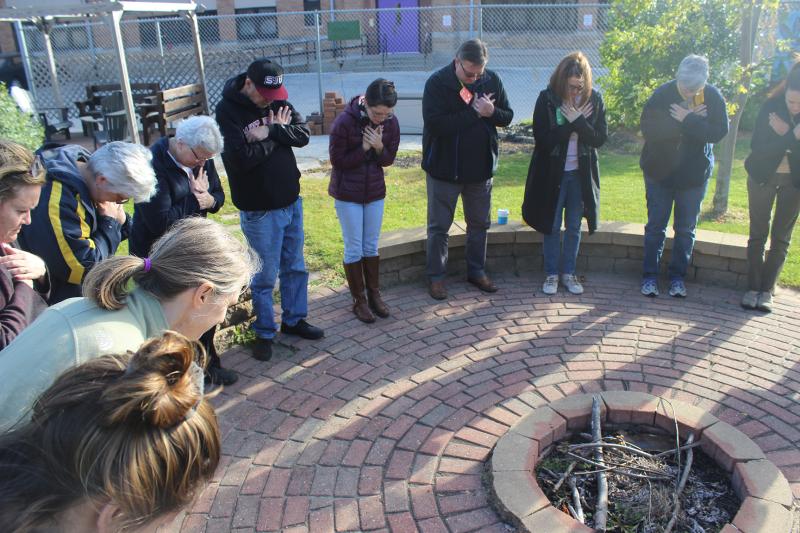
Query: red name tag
[[465, 95]]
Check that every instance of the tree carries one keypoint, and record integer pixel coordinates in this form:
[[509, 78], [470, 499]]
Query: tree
[[646, 41]]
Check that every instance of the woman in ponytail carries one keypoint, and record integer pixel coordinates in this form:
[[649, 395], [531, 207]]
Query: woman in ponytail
[[118, 443], [194, 273]]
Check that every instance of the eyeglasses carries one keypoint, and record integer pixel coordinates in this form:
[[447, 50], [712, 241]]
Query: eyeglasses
[[470, 75], [575, 88], [377, 115], [197, 157]]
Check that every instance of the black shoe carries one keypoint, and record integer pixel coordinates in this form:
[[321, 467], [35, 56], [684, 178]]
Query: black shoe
[[221, 376], [262, 349], [303, 329]]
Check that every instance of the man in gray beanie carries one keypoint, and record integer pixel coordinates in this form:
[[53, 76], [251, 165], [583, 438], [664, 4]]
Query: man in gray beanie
[[680, 122]]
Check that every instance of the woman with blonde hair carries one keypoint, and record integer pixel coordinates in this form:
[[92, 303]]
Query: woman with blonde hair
[[24, 283], [569, 124], [194, 272], [119, 443]]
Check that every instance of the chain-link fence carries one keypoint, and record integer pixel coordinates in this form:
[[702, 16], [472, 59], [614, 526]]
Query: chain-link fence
[[329, 51]]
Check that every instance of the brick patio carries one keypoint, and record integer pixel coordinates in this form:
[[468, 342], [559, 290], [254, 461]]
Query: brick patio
[[385, 427]]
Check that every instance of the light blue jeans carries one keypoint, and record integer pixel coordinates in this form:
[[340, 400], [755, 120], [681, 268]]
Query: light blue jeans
[[660, 199], [277, 237], [361, 228], [570, 205]]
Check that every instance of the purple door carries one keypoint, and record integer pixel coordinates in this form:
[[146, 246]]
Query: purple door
[[399, 29]]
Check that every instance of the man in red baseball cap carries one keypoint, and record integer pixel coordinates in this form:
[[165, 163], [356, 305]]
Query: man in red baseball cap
[[261, 128]]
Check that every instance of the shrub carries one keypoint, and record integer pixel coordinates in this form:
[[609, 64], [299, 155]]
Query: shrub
[[16, 125]]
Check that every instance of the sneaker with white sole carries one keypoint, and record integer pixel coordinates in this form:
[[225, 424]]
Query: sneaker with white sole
[[677, 289], [649, 287], [550, 285], [750, 300], [570, 281], [764, 302]]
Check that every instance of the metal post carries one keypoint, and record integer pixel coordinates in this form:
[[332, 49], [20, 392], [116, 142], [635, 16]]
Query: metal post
[[319, 61], [125, 83], [471, 19], [51, 63], [198, 55], [160, 48], [333, 10], [26, 58], [480, 21]]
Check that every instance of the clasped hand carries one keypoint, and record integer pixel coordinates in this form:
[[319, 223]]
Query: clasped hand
[[283, 116], [484, 105], [372, 138], [679, 113], [571, 113], [23, 266]]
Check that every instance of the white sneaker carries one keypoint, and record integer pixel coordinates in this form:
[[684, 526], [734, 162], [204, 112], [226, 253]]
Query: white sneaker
[[750, 300], [677, 289], [570, 281], [550, 286], [650, 287], [764, 302]]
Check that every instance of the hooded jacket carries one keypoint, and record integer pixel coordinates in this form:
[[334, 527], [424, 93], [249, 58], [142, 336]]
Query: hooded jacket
[[767, 148], [679, 154], [65, 230], [546, 169], [458, 145], [357, 176], [173, 200], [20, 304], [263, 175]]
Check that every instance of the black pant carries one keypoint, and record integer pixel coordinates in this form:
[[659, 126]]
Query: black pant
[[207, 340]]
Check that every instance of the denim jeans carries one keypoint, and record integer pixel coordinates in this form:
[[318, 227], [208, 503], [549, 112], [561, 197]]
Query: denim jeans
[[570, 203], [778, 191], [660, 200], [361, 228], [442, 199], [277, 237]]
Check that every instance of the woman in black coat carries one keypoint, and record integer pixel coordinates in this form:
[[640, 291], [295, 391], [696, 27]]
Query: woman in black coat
[[569, 124], [773, 167]]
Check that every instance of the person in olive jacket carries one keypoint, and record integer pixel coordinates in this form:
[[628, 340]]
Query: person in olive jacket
[[363, 140], [680, 123], [773, 167], [569, 124], [462, 105]]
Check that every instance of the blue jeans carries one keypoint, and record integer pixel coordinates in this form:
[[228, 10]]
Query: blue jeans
[[660, 199], [361, 228], [277, 237], [570, 200]]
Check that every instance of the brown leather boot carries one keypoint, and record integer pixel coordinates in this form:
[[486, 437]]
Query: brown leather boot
[[355, 280], [372, 269]]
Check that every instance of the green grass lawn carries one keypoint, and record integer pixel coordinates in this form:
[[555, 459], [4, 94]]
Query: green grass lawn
[[622, 199]]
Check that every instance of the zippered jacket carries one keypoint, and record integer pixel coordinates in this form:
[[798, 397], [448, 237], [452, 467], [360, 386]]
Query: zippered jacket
[[458, 145], [65, 230], [357, 176], [767, 148], [263, 175]]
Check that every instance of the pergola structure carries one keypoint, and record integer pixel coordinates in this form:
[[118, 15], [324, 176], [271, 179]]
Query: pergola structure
[[112, 10]]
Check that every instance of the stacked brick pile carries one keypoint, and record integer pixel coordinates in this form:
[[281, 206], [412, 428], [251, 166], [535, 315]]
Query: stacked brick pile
[[332, 105]]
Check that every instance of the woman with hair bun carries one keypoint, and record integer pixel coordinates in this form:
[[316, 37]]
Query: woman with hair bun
[[194, 272], [24, 283], [150, 437]]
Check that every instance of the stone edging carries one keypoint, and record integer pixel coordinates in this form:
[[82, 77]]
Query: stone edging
[[718, 258], [764, 491]]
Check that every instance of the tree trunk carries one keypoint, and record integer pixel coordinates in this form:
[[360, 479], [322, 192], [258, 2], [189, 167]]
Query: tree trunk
[[751, 12]]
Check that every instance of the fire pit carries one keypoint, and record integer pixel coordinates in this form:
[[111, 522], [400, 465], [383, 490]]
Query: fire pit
[[764, 492]]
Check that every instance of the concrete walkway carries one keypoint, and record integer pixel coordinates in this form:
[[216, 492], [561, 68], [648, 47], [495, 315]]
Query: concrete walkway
[[385, 427]]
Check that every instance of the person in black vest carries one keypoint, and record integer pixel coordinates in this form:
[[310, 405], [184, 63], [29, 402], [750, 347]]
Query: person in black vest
[[462, 105], [188, 185], [773, 167]]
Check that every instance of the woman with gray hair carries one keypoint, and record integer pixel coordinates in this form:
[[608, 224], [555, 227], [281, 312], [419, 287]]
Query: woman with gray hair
[[80, 220], [193, 273], [188, 186], [680, 123]]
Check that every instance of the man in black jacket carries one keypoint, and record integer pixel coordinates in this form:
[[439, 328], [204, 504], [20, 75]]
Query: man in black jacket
[[260, 128], [462, 105], [680, 122]]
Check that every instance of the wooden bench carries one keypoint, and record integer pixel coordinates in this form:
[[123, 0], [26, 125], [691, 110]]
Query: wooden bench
[[90, 111], [175, 104]]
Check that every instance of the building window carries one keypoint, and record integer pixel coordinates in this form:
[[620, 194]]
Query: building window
[[256, 23], [310, 5]]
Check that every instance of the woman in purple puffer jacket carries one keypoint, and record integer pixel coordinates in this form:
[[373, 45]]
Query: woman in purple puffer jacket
[[363, 140]]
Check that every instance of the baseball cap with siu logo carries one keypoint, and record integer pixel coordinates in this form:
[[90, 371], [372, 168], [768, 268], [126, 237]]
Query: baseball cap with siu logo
[[267, 76]]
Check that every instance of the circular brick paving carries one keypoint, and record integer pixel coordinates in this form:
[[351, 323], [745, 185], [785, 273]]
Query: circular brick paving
[[386, 427]]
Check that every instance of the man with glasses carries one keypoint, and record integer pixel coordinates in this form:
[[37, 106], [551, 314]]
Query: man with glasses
[[80, 219], [462, 105]]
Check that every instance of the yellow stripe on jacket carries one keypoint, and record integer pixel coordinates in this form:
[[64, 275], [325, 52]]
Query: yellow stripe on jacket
[[54, 211]]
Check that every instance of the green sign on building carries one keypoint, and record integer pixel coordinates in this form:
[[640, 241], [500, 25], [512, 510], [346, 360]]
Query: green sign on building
[[344, 30]]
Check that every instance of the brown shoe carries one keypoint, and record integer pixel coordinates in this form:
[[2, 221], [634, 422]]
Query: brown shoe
[[355, 280], [437, 290], [484, 284], [372, 269]]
